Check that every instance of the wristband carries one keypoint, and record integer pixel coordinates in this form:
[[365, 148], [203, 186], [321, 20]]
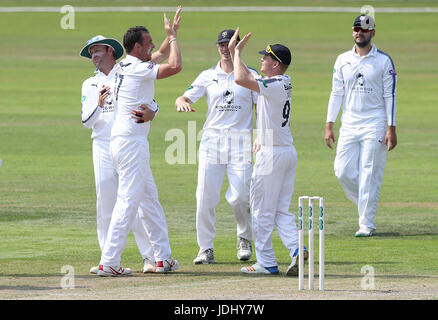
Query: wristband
[[172, 39]]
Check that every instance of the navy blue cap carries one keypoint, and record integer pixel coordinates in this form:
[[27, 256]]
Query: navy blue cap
[[365, 22], [225, 36], [278, 52]]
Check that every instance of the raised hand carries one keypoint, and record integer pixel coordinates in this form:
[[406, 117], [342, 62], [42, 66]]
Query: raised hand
[[243, 42], [233, 41], [177, 19], [169, 30]]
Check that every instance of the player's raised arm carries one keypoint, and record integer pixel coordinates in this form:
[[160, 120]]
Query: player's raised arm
[[174, 63], [163, 52], [242, 75]]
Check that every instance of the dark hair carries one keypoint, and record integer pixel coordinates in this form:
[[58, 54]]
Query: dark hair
[[132, 36], [114, 51]]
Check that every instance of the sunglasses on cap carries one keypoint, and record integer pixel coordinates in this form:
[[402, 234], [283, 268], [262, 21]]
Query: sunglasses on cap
[[269, 50], [357, 29]]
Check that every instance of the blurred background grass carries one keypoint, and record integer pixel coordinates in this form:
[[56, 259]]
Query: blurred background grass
[[47, 197]]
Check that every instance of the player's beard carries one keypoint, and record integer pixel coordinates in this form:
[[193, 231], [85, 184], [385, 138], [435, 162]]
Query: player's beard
[[364, 43]]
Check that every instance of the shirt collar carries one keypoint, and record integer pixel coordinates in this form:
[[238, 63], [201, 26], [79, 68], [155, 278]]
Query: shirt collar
[[371, 53], [219, 70], [132, 58], [99, 73]]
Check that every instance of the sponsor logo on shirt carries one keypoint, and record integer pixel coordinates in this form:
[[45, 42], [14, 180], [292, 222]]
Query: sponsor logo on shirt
[[228, 100], [360, 87], [189, 88], [109, 106], [231, 107], [83, 98], [228, 97], [392, 72], [360, 79]]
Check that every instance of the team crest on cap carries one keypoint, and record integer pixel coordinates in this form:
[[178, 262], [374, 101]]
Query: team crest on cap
[[366, 22], [224, 34]]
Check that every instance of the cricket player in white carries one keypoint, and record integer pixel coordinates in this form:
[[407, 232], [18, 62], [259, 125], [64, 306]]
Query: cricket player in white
[[97, 112], [129, 147], [364, 84], [225, 145], [271, 189]]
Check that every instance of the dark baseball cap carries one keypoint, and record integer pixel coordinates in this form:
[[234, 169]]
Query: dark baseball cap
[[278, 52], [365, 22], [225, 36]]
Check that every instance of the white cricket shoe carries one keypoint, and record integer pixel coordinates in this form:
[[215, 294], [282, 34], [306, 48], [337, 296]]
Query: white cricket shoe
[[365, 232], [149, 266], [244, 249], [166, 266], [205, 257], [94, 269], [112, 271], [258, 269]]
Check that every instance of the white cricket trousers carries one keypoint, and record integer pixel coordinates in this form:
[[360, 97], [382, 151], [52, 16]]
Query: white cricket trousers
[[272, 186], [106, 181], [359, 166], [136, 187], [219, 153]]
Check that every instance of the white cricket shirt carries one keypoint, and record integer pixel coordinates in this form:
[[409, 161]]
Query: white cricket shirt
[[273, 111], [229, 105], [365, 87], [134, 86], [100, 120]]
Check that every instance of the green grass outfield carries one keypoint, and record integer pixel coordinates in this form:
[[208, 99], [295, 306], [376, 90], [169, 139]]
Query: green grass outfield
[[47, 199]]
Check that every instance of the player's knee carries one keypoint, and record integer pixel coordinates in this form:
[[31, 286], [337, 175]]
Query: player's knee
[[238, 199], [342, 174], [347, 177]]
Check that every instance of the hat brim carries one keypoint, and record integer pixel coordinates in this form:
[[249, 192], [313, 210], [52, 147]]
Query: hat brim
[[359, 25], [263, 52], [113, 43], [223, 40], [226, 40]]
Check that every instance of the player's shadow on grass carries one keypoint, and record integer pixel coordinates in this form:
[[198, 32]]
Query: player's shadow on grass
[[401, 234], [26, 288], [32, 275], [361, 263], [382, 276]]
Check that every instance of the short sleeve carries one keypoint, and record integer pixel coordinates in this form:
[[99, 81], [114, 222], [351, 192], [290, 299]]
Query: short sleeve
[[197, 88]]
